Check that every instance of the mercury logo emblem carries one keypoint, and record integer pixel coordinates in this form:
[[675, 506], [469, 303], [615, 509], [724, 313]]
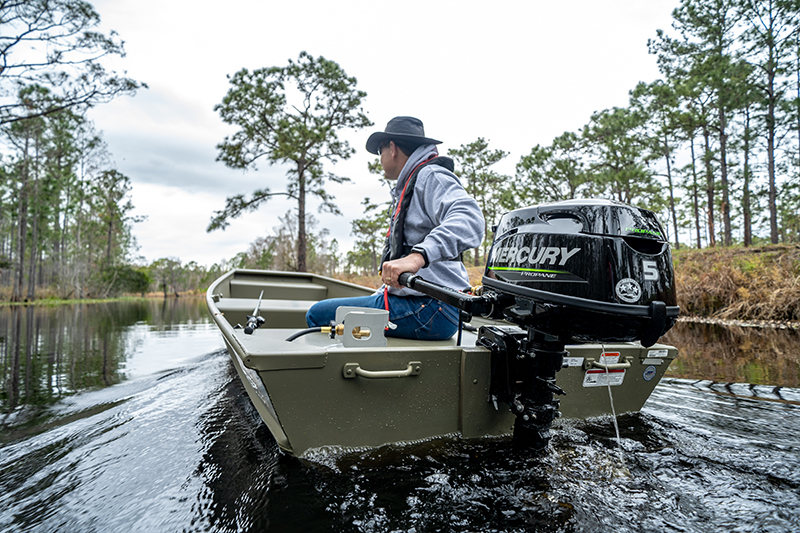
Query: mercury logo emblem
[[552, 255], [628, 290]]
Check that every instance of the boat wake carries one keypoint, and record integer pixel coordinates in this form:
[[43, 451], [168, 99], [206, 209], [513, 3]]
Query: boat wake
[[184, 449], [698, 458]]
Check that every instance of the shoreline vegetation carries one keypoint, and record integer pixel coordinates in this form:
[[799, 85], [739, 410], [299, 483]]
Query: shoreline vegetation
[[743, 286], [757, 286], [50, 302]]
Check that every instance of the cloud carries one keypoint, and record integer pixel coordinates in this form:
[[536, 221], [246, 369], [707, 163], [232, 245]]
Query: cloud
[[176, 222], [517, 73]]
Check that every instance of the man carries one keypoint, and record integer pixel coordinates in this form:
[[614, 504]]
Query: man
[[433, 220]]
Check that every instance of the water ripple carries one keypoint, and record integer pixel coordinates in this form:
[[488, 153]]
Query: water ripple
[[181, 448]]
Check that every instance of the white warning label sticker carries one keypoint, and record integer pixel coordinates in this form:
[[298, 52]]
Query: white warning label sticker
[[601, 378]]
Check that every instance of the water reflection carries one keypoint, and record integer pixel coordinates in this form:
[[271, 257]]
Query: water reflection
[[48, 353], [734, 354]]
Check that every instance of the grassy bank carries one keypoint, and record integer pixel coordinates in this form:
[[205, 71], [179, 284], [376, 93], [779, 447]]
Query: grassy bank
[[53, 300], [755, 283]]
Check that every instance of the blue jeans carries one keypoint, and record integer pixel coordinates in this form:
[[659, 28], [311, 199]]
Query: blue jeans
[[416, 317]]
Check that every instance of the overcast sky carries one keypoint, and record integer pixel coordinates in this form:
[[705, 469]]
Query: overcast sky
[[518, 73]]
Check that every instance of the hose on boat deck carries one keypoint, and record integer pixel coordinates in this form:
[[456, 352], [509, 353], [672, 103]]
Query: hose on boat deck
[[304, 332], [327, 329]]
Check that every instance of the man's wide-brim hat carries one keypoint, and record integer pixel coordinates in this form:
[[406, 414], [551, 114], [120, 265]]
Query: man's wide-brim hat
[[408, 130]]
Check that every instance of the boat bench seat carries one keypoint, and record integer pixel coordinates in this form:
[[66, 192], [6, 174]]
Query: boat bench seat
[[276, 313], [278, 290]]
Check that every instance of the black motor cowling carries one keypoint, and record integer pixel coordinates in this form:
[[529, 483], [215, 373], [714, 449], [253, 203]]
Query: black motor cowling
[[585, 271]]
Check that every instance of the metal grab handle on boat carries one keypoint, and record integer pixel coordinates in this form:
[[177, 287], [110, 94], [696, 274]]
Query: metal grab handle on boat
[[591, 363], [351, 370]]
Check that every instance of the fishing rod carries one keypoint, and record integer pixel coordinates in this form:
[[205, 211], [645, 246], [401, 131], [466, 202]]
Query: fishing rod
[[254, 320]]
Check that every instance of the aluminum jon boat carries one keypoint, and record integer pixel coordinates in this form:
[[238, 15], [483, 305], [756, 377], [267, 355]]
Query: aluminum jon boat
[[574, 297], [361, 389]]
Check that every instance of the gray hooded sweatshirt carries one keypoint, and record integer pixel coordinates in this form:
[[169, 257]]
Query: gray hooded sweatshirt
[[441, 218]]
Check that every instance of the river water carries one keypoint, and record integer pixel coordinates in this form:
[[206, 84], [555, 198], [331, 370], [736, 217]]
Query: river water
[[130, 417]]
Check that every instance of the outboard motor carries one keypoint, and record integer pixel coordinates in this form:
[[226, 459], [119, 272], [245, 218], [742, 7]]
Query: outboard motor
[[578, 271], [565, 272]]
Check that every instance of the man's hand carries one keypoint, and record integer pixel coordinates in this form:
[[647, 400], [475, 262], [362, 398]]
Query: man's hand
[[391, 270]]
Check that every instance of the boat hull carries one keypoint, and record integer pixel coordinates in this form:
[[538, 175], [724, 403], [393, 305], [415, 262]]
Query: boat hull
[[307, 398]]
